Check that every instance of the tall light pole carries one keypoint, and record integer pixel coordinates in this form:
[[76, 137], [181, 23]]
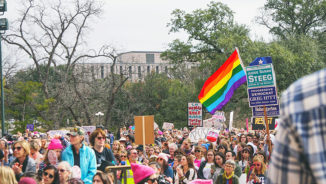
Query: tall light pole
[[3, 28]]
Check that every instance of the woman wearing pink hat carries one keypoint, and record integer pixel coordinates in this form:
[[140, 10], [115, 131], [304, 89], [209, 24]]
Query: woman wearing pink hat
[[143, 174], [56, 146]]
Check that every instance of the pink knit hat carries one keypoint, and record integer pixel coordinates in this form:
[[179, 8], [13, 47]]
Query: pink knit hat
[[199, 181], [27, 180], [141, 172], [55, 144]]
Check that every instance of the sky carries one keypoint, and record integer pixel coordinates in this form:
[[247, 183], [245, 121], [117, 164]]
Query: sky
[[141, 25]]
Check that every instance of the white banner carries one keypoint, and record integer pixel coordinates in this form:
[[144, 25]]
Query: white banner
[[52, 133], [212, 122], [167, 126]]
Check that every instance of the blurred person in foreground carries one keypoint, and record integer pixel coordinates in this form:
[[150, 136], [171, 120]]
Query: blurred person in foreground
[[101, 178], [7, 175], [299, 151]]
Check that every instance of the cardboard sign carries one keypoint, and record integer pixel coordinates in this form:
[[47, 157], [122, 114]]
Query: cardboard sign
[[144, 129], [167, 126], [195, 117], [259, 124]]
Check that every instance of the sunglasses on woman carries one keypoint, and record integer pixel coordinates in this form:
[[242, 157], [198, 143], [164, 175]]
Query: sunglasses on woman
[[47, 174], [18, 148]]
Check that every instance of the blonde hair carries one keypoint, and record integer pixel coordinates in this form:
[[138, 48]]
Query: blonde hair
[[263, 165], [35, 145], [25, 146], [7, 175]]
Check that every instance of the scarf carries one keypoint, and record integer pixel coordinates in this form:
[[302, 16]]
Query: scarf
[[227, 179]]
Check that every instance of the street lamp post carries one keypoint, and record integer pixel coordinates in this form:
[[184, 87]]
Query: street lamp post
[[98, 115], [3, 28]]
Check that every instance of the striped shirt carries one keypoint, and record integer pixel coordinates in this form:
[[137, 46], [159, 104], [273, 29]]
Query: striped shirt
[[299, 154]]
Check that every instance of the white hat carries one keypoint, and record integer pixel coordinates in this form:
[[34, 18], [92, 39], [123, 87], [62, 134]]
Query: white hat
[[122, 139]]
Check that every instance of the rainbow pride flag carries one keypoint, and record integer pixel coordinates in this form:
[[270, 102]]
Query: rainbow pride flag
[[219, 87]]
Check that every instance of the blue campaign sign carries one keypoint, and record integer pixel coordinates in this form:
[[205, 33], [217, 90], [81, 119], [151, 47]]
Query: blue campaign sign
[[261, 61], [262, 96], [273, 110]]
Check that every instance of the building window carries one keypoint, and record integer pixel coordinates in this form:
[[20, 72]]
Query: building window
[[157, 70], [130, 71], [148, 70], [139, 71], [102, 72], [121, 72], [149, 58]]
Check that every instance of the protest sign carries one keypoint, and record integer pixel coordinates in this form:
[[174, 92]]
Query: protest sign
[[260, 76], [273, 110], [212, 122], [144, 129], [30, 127], [259, 123], [262, 96], [88, 130], [195, 117], [219, 116], [199, 133], [212, 136], [167, 126], [52, 133], [155, 126]]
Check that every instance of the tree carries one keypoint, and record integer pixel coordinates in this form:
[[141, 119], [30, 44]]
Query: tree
[[27, 104], [51, 34], [212, 33], [286, 18]]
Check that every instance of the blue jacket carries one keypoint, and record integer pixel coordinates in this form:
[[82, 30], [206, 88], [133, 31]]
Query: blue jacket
[[87, 162]]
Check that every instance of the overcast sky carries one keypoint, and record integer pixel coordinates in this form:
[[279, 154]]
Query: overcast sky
[[140, 25]]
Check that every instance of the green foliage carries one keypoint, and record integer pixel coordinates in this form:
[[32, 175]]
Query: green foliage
[[26, 104], [212, 35], [294, 17]]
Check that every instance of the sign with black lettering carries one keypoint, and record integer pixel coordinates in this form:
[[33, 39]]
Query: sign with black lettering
[[259, 123]]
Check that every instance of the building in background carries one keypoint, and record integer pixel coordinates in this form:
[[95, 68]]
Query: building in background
[[135, 65]]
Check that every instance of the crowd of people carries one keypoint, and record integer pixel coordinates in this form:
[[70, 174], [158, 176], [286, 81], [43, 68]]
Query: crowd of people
[[235, 157]]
